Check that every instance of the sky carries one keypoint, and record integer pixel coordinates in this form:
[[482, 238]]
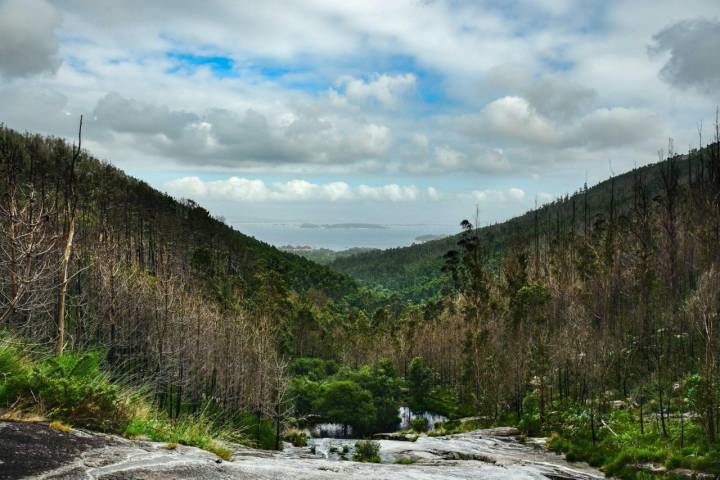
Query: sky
[[373, 111]]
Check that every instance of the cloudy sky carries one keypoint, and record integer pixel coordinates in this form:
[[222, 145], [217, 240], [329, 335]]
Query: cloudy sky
[[387, 111]]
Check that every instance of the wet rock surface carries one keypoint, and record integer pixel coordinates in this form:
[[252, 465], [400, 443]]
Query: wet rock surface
[[35, 451]]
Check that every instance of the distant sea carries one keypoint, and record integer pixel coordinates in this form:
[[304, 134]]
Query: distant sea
[[341, 238]]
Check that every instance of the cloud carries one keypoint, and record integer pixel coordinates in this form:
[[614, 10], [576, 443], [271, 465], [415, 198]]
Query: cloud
[[132, 116], [516, 193], [617, 127], [254, 190], [227, 138], [511, 119], [514, 121], [446, 159], [28, 44], [693, 58], [492, 196], [553, 95], [385, 89]]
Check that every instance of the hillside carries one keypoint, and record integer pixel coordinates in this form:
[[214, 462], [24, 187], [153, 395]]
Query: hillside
[[415, 271], [152, 226], [196, 313]]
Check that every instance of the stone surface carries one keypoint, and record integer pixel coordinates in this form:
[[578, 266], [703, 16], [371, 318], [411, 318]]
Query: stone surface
[[35, 451]]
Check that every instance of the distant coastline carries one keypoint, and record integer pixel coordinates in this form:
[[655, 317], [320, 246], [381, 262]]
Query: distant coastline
[[345, 225]]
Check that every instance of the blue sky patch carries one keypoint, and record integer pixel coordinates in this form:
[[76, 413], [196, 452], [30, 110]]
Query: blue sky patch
[[220, 66]]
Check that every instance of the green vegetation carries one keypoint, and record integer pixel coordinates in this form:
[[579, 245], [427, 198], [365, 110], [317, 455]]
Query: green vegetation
[[347, 403], [367, 451], [419, 424], [366, 399], [297, 437], [69, 388], [324, 256], [73, 389], [622, 450], [452, 427]]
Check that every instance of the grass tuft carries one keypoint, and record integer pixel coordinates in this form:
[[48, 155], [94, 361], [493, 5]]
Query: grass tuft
[[59, 426], [367, 451]]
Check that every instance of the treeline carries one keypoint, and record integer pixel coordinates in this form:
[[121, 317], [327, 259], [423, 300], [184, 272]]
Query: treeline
[[606, 296], [180, 302], [413, 270]]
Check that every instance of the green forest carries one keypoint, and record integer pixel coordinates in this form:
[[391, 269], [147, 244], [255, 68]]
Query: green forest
[[593, 320]]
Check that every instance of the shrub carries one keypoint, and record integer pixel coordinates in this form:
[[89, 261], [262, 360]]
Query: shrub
[[72, 387], [530, 420], [367, 451], [419, 424], [297, 437]]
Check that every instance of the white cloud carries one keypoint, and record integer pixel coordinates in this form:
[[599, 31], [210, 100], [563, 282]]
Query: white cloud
[[512, 119], [494, 197], [446, 159], [516, 193], [386, 89], [254, 190]]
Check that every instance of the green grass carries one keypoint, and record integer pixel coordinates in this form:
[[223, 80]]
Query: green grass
[[74, 389]]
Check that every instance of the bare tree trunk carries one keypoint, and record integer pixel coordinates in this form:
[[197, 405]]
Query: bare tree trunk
[[71, 206]]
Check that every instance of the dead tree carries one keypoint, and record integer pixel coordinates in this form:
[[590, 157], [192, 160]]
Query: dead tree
[[26, 245], [71, 202]]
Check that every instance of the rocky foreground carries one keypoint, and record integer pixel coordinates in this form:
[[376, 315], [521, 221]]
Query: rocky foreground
[[31, 450]]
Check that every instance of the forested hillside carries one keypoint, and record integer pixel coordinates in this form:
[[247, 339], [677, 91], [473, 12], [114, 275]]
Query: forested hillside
[[415, 271], [92, 258]]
